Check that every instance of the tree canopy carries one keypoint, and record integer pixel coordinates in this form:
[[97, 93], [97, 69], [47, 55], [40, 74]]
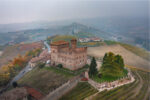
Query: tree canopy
[[113, 65]]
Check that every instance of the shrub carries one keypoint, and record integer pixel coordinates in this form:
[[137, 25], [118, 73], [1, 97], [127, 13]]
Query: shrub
[[15, 84], [60, 66], [41, 65]]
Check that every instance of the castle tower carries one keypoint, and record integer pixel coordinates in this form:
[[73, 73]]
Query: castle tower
[[73, 43]]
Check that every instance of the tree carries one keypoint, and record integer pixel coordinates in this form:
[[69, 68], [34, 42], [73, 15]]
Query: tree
[[93, 70], [15, 84], [60, 66], [41, 65], [113, 65]]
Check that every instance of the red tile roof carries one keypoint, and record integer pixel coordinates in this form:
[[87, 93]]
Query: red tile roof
[[34, 93]]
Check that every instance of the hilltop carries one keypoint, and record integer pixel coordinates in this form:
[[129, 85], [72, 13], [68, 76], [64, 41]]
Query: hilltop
[[30, 35]]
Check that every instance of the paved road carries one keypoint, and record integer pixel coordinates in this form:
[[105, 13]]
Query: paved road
[[16, 78], [48, 47], [23, 71], [27, 68], [21, 74]]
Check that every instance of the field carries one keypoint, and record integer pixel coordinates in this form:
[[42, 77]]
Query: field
[[43, 79], [138, 90], [81, 91], [63, 37], [10, 52], [138, 51], [129, 58]]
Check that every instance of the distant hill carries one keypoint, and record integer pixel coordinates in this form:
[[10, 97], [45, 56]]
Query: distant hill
[[130, 30], [32, 35]]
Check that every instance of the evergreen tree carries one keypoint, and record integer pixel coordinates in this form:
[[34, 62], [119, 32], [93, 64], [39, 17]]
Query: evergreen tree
[[113, 65], [93, 70]]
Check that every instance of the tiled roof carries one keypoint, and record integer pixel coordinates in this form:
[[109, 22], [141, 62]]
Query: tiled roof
[[34, 93], [35, 59]]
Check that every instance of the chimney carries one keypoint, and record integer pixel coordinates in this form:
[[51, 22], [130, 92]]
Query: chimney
[[73, 43]]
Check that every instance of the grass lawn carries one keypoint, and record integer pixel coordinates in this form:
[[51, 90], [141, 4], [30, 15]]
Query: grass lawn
[[81, 91], [108, 78], [44, 80]]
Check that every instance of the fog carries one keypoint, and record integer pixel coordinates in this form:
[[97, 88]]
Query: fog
[[19, 11]]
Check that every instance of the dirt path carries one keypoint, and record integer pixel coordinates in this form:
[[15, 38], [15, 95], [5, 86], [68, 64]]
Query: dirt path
[[129, 57]]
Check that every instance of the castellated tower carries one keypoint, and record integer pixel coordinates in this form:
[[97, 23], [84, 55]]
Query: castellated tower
[[69, 55], [73, 43]]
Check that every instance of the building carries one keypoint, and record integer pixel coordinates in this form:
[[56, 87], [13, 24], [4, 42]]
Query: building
[[22, 93], [68, 54], [91, 39], [43, 57]]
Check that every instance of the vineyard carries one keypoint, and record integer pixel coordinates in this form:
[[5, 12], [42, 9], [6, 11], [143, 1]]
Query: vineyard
[[81, 91], [138, 90]]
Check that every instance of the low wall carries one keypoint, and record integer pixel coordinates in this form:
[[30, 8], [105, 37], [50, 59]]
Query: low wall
[[60, 91], [110, 85]]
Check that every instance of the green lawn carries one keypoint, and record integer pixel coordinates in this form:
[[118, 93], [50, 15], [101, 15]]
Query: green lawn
[[108, 78], [81, 91]]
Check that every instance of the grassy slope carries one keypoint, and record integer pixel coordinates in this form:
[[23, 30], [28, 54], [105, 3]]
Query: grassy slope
[[43, 79], [138, 90], [81, 91], [63, 37], [9, 53], [138, 51]]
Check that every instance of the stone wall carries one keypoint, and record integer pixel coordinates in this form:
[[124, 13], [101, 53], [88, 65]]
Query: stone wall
[[114, 84]]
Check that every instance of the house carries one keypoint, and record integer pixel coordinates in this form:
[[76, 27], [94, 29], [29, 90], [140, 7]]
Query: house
[[43, 57]]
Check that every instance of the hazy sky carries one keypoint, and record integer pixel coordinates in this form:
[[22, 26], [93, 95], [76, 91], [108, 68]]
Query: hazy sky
[[16, 11]]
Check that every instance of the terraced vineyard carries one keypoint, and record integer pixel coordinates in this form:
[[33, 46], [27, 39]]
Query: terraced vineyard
[[138, 90], [81, 91]]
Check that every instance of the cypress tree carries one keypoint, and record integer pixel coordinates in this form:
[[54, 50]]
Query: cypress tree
[[93, 70]]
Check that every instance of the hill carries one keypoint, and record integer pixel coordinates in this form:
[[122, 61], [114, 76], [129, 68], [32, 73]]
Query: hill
[[138, 90], [31, 35], [130, 58], [10, 52], [44, 79]]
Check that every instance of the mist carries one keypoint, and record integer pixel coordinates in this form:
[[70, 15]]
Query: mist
[[20, 11]]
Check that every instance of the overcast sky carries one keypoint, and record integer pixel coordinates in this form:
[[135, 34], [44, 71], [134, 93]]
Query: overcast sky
[[16, 11]]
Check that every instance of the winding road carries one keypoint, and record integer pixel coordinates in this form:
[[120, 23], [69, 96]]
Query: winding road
[[23, 71]]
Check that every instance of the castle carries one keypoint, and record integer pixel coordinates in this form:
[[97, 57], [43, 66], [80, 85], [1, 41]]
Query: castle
[[68, 54]]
